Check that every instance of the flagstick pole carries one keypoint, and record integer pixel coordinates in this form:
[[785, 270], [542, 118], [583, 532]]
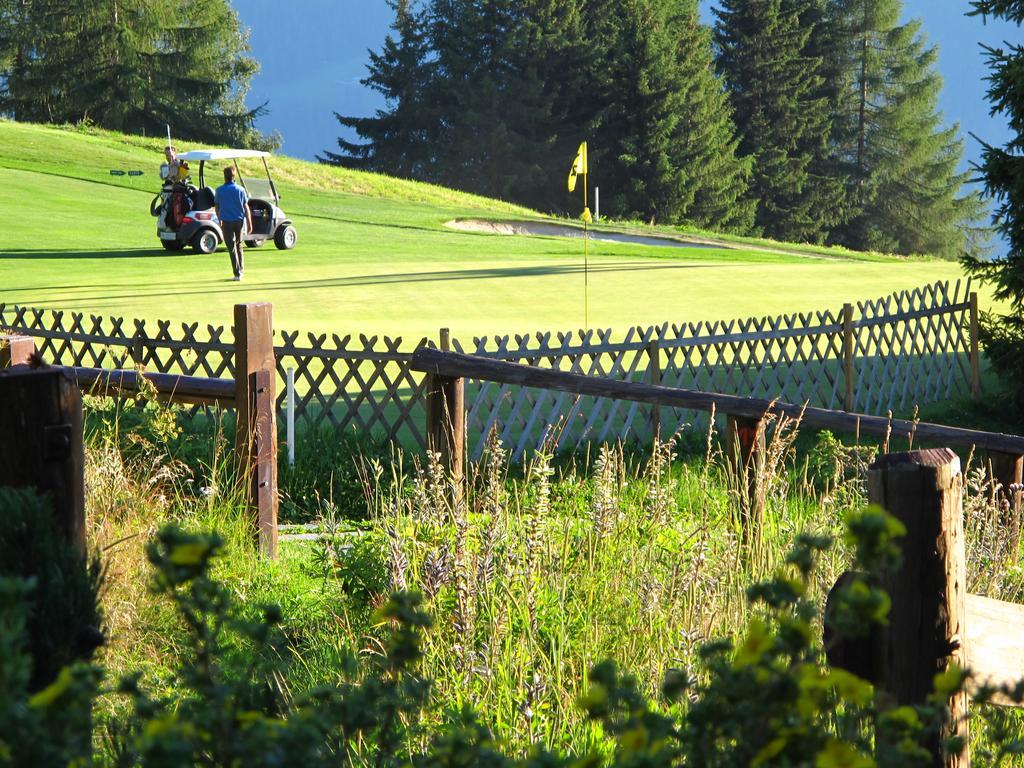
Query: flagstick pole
[[586, 261]]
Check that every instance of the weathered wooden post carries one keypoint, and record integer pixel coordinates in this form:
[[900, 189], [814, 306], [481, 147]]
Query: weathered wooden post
[[744, 454], [41, 442], [975, 350], [446, 417], [654, 373], [848, 395], [256, 429], [925, 633], [15, 350]]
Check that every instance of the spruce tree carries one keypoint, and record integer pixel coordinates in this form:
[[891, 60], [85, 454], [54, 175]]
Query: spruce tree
[[715, 178], [900, 163], [505, 85], [130, 65], [775, 85], [494, 96], [638, 127], [1002, 169], [398, 138]]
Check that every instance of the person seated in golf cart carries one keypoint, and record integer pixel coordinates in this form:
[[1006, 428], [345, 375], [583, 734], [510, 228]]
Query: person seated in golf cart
[[177, 170]]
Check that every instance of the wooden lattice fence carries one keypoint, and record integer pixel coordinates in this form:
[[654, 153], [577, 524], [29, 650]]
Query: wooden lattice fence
[[912, 347]]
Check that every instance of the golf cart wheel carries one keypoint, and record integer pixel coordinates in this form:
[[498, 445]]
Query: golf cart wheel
[[205, 242], [254, 243], [286, 237], [172, 245]]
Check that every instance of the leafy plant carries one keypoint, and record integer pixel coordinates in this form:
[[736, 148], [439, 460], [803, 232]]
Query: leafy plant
[[63, 623]]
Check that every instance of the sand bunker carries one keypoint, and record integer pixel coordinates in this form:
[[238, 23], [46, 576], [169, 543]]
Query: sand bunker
[[546, 229]]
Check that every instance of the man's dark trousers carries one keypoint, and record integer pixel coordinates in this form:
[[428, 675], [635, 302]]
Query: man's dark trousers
[[233, 240]]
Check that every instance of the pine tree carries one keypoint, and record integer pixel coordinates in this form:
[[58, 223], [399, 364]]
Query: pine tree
[[900, 162], [775, 85], [493, 96], [477, 91], [398, 138], [638, 127], [662, 140], [510, 82], [130, 65], [706, 137], [1003, 172]]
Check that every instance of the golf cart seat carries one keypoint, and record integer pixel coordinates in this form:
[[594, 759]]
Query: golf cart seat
[[262, 217], [203, 199]]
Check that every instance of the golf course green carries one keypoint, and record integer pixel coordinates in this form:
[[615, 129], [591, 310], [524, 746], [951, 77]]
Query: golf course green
[[374, 255]]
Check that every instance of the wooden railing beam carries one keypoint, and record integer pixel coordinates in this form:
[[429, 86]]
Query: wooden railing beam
[[169, 386], [467, 366]]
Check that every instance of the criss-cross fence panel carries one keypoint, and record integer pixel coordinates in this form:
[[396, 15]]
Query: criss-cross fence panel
[[908, 348], [94, 341], [524, 418], [912, 347], [362, 384], [797, 358]]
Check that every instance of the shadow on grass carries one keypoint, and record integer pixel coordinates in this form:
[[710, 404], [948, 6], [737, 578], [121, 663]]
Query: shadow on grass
[[68, 253], [413, 277]]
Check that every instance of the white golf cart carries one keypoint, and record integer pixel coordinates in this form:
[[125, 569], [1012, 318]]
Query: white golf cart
[[186, 215]]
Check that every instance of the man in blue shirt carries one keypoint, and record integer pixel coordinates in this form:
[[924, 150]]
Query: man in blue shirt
[[233, 212]]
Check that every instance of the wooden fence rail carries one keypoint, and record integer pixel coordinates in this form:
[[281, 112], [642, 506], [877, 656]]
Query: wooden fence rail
[[456, 366]]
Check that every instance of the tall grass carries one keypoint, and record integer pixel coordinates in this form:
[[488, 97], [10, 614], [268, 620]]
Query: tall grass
[[532, 574], [533, 580]]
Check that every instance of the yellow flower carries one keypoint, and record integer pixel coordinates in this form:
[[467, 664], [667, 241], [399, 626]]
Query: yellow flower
[[755, 645], [188, 554]]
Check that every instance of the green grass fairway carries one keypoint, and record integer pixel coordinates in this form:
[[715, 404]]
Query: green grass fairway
[[374, 255]]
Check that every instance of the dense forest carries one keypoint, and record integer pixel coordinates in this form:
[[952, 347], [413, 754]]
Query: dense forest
[[129, 65], [804, 120]]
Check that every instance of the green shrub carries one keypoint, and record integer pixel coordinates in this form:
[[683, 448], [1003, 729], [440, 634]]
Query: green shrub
[[329, 475], [51, 727], [63, 621]]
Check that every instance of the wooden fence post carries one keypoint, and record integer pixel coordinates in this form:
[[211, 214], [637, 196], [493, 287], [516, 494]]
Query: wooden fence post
[[925, 633], [256, 428], [446, 417], [744, 453], [975, 351], [848, 357], [1006, 469], [41, 442], [654, 372], [15, 350]]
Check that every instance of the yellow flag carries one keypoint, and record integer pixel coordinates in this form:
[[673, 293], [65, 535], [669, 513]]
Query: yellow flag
[[579, 166]]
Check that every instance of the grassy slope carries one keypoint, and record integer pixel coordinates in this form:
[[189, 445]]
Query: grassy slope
[[373, 255]]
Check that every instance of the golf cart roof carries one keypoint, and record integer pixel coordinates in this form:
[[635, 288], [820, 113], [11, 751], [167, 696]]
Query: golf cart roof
[[220, 154]]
